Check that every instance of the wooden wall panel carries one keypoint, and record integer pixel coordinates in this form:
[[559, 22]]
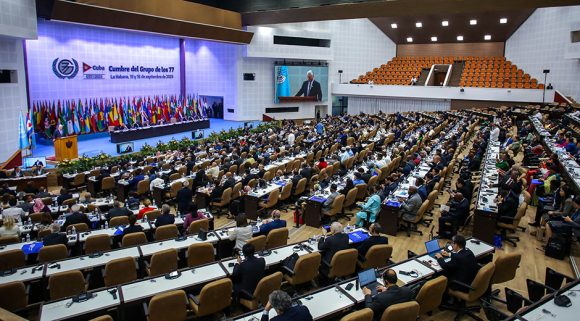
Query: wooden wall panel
[[495, 49]]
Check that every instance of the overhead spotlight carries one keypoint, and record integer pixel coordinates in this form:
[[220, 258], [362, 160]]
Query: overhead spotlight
[[459, 38], [419, 24], [433, 38], [503, 20], [409, 39], [444, 23], [473, 22], [394, 25], [487, 37]]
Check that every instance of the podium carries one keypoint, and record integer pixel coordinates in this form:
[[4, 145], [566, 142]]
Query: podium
[[296, 99], [66, 148]]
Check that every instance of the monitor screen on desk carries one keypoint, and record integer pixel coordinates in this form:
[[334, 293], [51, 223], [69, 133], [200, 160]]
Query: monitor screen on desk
[[29, 162], [124, 148], [367, 277], [303, 81]]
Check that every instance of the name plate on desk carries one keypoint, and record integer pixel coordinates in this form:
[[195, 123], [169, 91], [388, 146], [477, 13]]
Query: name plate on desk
[[392, 203], [318, 199]]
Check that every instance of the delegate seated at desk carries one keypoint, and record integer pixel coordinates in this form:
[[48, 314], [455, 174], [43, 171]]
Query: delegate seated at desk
[[461, 267], [282, 303], [375, 238], [387, 295], [247, 273], [272, 224], [165, 218], [55, 237], [76, 217], [410, 207], [329, 245]]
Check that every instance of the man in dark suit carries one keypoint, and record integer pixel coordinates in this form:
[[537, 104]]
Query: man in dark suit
[[76, 217], [458, 211], [64, 195], [55, 237], [247, 273], [58, 132], [461, 267], [282, 303], [138, 176], [330, 245], [133, 227], [310, 87], [421, 188], [306, 171], [275, 223], [184, 197], [165, 218], [388, 295], [118, 210], [374, 239], [508, 207], [248, 177]]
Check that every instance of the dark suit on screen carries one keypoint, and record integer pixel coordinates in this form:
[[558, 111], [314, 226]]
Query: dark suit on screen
[[315, 90]]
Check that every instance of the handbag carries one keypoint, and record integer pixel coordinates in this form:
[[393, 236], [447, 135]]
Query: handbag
[[290, 261]]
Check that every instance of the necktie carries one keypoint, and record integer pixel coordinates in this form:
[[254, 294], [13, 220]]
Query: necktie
[[309, 87]]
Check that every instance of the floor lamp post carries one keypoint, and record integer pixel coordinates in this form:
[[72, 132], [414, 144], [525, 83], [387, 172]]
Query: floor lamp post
[[546, 72]]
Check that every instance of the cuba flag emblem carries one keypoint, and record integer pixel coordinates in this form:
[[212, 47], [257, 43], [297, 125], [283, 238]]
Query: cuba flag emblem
[[282, 83]]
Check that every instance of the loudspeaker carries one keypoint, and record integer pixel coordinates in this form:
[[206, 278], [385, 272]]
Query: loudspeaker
[[249, 76]]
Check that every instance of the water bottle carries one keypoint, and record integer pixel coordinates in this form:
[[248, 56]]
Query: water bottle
[[126, 203], [106, 224], [74, 230], [145, 219], [23, 239], [28, 237]]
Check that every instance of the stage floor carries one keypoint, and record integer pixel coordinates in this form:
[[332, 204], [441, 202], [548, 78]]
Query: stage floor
[[94, 146]]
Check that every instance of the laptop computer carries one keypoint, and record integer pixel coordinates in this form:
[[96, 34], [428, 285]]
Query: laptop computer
[[433, 247], [368, 279]]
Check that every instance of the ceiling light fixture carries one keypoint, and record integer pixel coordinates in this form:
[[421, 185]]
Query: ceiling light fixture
[[394, 25], [487, 37], [433, 38], [409, 39], [418, 24], [444, 23], [473, 22], [459, 38], [503, 20]]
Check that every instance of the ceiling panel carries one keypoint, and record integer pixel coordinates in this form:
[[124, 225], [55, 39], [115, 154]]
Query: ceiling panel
[[488, 23]]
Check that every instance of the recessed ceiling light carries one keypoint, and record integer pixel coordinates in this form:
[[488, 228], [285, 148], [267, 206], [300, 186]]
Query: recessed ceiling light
[[394, 25], [503, 20], [444, 23], [409, 39], [473, 22], [459, 38], [487, 37], [433, 38], [418, 24]]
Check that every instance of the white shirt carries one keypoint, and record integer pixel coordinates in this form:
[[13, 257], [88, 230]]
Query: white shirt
[[156, 182], [291, 139], [494, 135], [241, 235]]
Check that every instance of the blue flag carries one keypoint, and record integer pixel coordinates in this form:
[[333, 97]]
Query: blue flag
[[282, 83], [22, 134]]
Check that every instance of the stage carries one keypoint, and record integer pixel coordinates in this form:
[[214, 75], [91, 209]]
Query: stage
[[101, 143]]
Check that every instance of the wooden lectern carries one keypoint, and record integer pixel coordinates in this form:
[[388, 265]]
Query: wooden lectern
[[66, 148], [296, 99]]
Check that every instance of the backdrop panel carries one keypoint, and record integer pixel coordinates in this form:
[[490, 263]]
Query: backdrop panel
[[357, 105]]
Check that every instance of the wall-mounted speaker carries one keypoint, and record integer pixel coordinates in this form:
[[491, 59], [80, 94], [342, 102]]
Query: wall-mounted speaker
[[249, 76]]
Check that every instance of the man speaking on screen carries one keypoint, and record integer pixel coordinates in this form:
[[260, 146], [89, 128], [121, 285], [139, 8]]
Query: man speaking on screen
[[310, 87]]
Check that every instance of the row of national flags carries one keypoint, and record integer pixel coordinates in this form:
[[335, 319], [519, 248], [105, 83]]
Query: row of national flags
[[97, 114]]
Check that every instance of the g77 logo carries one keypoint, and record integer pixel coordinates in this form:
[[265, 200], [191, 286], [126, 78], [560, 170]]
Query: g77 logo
[[65, 68]]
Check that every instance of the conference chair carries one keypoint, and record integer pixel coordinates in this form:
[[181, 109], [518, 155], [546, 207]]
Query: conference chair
[[276, 238], [65, 284], [514, 301], [52, 253], [300, 187], [12, 259], [162, 262], [513, 225], [377, 256], [97, 243], [223, 202], [349, 201], [174, 176], [259, 242], [469, 301], [166, 232], [120, 271], [286, 192], [79, 227], [13, 296], [411, 225], [119, 221], [555, 279], [69, 202], [361, 191], [365, 314], [7, 240], [431, 294], [200, 253], [335, 208], [153, 215], [343, 264], [506, 266], [273, 198], [168, 306], [198, 225], [143, 188], [133, 239], [236, 192], [407, 311], [35, 217], [305, 269], [78, 181], [267, 285], [214, 297]]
